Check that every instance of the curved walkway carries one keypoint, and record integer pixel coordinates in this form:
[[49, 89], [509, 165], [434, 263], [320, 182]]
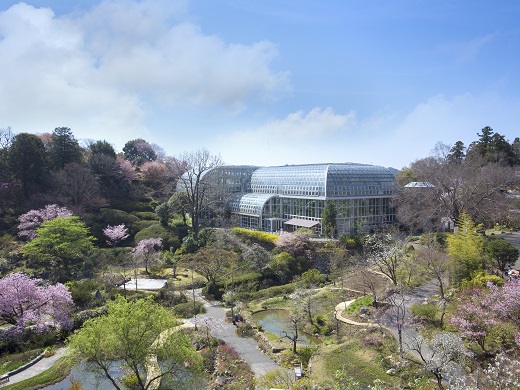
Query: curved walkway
[[39, 367], [247, 348], [343, 306]]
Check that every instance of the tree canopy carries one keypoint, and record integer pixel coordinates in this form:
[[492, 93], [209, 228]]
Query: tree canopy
[[133, 334], [27, 160], [60, 246], [328, 219], [63, 148], [25, 300], [501, 252], [466, 248], [138, 151]]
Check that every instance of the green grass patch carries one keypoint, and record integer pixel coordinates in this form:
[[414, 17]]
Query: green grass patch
[[355, 361], [11, 362], [275, 302], [56, 373], [358, 303]]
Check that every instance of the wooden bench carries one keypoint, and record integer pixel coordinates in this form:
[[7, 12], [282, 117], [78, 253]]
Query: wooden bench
[[4, 378]]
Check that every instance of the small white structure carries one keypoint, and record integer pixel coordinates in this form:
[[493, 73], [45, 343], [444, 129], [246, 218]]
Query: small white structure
[[145, 284], [298, 371], [419, 184]]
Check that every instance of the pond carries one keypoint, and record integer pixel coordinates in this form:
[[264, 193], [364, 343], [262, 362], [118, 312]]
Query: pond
[[91, 381], [275, 321], [87, 379]]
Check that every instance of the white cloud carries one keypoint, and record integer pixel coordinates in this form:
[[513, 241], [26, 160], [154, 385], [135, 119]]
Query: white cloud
[[387, 139], [300, 125], [290, 140], [109, 66]]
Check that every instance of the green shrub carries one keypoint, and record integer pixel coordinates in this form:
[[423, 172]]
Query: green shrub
[[116, 217], [312, 277], [82, 291], [141, 225], [186, 310], [156, 230], [319, 320], [145, 215], [245, 330], [274, 291], [481, 279], [350, 242], [305, 354], [426, 312], [134, 205]]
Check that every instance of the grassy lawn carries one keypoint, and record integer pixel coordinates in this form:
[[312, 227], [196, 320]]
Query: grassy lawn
[[11, 362], [56, 373], [364, 363]]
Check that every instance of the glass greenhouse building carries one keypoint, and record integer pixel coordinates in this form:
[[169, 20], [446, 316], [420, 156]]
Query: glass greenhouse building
[[293, 196]]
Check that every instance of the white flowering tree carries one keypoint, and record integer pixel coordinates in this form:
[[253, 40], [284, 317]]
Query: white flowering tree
[[442, 355], [146, 251]]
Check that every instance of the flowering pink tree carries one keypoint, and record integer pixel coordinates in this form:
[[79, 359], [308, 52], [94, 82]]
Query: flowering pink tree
[[32, 220], [505, 302], [474, 315], [145, 251], [29, 301], [115, 234], [294, 243]]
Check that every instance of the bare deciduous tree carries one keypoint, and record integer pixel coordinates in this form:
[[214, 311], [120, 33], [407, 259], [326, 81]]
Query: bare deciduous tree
[[386, 250], [295, 323], [436, 264], [80, 188], [397, 313], [198, 191], [473, 185]]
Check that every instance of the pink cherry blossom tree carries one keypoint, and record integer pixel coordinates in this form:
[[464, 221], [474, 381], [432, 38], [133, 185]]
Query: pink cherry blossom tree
[[295, 243], [115, 234], [505, 302], [30, 301], [146, 252], [32, 220], [474, 315]]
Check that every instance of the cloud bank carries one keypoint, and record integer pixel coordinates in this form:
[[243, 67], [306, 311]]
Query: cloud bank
[[105, 69]]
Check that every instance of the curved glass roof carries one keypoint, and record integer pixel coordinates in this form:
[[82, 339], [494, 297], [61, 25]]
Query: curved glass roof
[[324, 180], [232, 178], [249, 204]]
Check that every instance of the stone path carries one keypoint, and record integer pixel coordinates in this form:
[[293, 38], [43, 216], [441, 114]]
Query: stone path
[[514, 239], [247, 348]]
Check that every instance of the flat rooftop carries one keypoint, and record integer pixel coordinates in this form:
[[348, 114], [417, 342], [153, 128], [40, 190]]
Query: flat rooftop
[[145, 284]]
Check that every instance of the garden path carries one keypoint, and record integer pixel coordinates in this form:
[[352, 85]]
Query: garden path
[[39, 367], [247, 348]]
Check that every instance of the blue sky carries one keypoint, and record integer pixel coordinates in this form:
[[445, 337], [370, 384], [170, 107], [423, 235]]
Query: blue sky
[[264, 82]]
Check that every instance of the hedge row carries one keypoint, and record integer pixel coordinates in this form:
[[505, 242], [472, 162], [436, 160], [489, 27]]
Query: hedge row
[[268, 238]]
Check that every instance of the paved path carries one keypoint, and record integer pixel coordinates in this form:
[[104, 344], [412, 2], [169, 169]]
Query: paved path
[[343, 306], [514, 239], [247, 348], [39, 367]]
